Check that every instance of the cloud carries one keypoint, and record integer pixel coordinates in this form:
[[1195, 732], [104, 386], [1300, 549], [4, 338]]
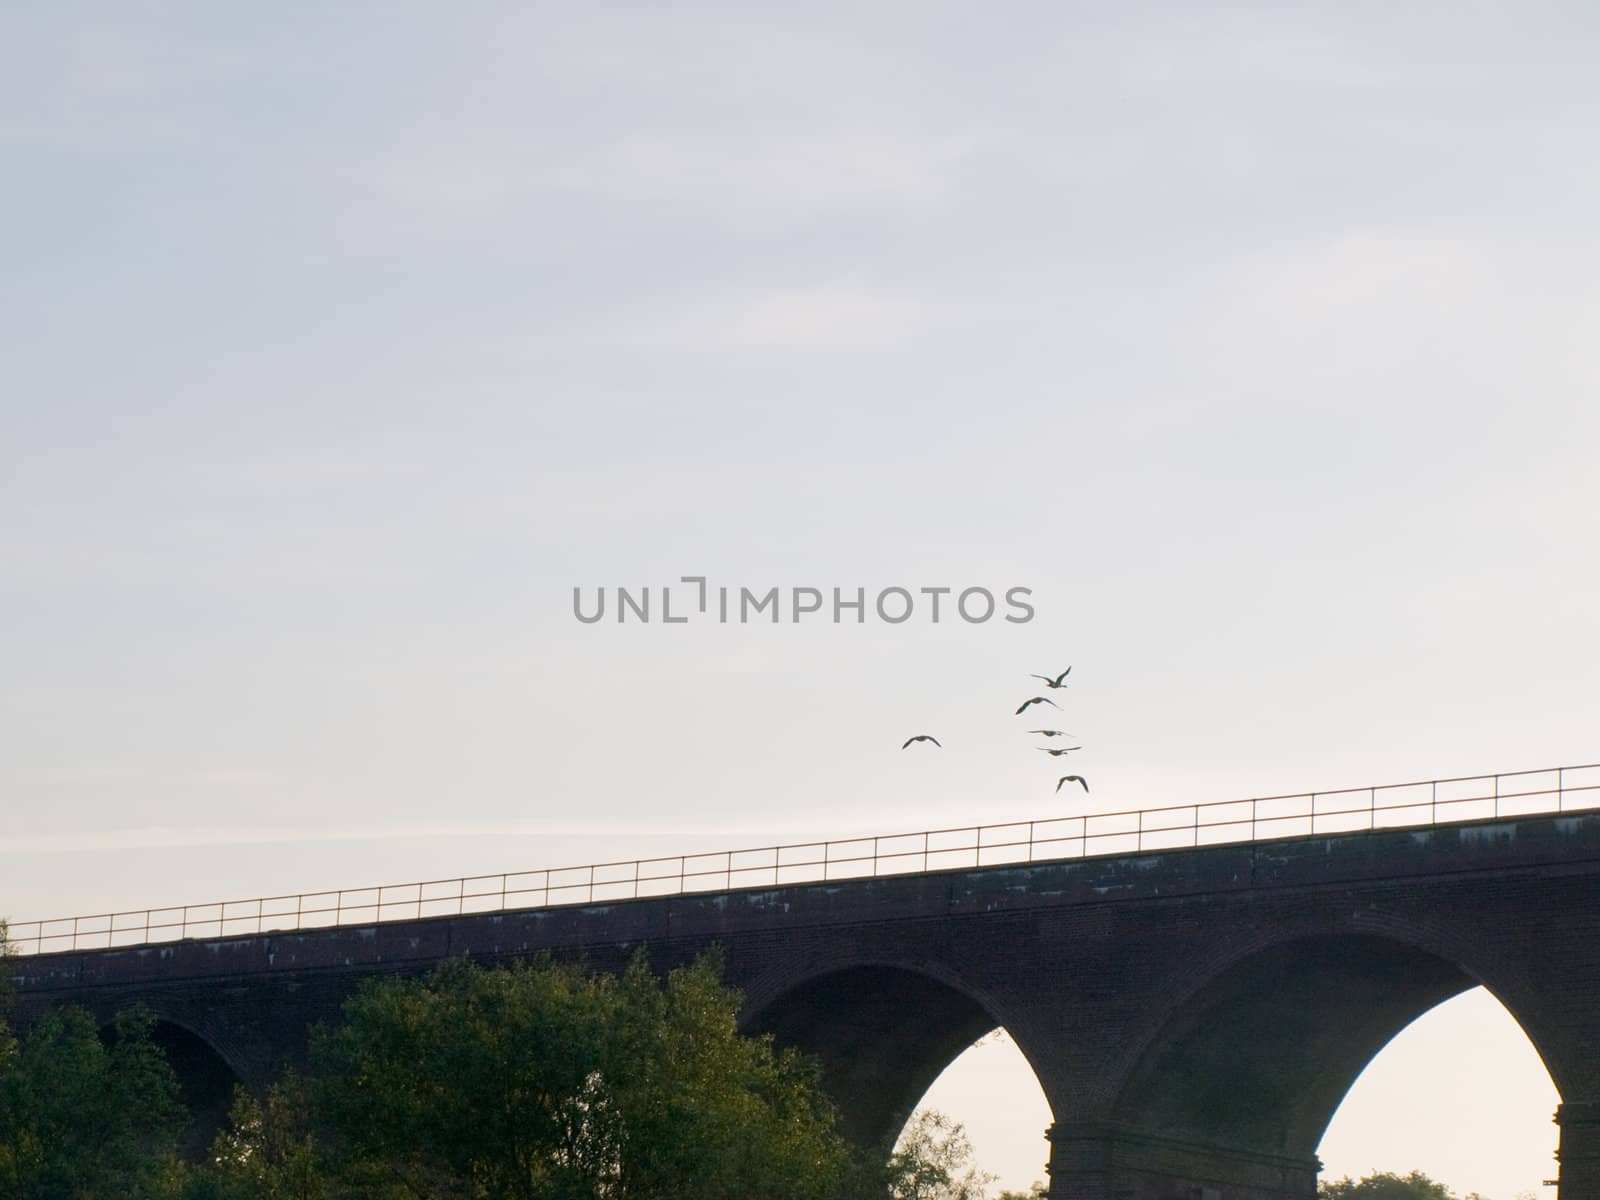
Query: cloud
[[159, 837]]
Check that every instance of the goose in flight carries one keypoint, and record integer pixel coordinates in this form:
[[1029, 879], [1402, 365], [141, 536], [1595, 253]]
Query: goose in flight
[[1036, 700], [1053, 732], [1058, 753], [1079, 779], [922, 737], [1058, 681]]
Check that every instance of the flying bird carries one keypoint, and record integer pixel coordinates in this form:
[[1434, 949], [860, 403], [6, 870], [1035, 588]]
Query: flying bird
[[1057, 681], [1036, 700], [1072, 779], [922, 737], [1053, 732], [1058, 753]]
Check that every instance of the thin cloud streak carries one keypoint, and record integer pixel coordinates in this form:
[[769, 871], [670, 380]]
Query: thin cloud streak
[[168, 838]]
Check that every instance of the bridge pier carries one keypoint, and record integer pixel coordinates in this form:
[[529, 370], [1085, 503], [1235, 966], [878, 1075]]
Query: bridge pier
[[1104, 1160], [1580, 1151]]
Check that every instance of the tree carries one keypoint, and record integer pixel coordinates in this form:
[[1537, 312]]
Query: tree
[[269, 1153], [1384, 1185], [7, 1043], [933, 1161], [541, 1082], [1036, 1191], [83, 1117]]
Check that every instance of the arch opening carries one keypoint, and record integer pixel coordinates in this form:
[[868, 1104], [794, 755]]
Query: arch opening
[[991, 1090], [1260, 1058], [883, 1035], [206, 1083], [1460, 1094]]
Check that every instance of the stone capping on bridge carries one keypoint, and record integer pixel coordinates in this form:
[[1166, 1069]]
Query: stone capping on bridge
[[1171, 827]]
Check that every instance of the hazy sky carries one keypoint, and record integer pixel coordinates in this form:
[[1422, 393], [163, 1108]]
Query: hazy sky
[[339, 346]]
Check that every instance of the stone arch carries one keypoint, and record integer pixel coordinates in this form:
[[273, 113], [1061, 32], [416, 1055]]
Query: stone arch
[[882, 1031], [1259, 1055], [206, 1079]]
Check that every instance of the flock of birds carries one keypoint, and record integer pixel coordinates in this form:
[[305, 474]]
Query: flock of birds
[[1051, 683]]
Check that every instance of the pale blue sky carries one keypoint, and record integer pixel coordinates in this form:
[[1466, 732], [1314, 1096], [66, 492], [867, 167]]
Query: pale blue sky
[[339, 346]]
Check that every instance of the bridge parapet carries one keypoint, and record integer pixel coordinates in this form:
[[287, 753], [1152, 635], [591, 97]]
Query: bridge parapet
[[1453, 801]]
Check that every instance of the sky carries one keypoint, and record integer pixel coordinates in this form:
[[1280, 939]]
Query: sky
[[341, 345]]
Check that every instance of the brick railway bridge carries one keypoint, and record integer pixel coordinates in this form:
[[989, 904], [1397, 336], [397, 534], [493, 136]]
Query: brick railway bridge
[[1194, 1014]]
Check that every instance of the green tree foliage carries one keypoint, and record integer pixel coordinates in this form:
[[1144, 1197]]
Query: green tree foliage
[[1384, 1185], [543, 1082], [933, 1161], [1036, 1191], [84, 1118], [269, 1153], [7, 1043]]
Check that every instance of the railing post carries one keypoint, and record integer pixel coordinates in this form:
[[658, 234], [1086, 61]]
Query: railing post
[[261, 902], [727, 873], [636, 879], [299, 909], [1561, 789], [591, 883], [1372, 808], [1433, 803], [924, 852], [147, 925], [1252, 820], [338, 908], [461, 895], [1497, 795], [1030, 841]]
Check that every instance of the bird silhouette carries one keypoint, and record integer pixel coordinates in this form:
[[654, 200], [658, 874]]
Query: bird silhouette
[[1079, 779], [1058, 753], [1053, 732], [922, 737], [1056, 682], [1035, 700]]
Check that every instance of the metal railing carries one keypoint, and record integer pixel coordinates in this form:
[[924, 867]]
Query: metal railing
[[1345, 810]]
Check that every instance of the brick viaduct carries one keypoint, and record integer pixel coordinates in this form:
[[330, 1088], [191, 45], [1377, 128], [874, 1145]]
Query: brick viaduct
[[1193, 1016]]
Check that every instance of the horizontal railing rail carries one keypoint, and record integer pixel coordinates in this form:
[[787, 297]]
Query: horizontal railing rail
[[1179, 826]]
